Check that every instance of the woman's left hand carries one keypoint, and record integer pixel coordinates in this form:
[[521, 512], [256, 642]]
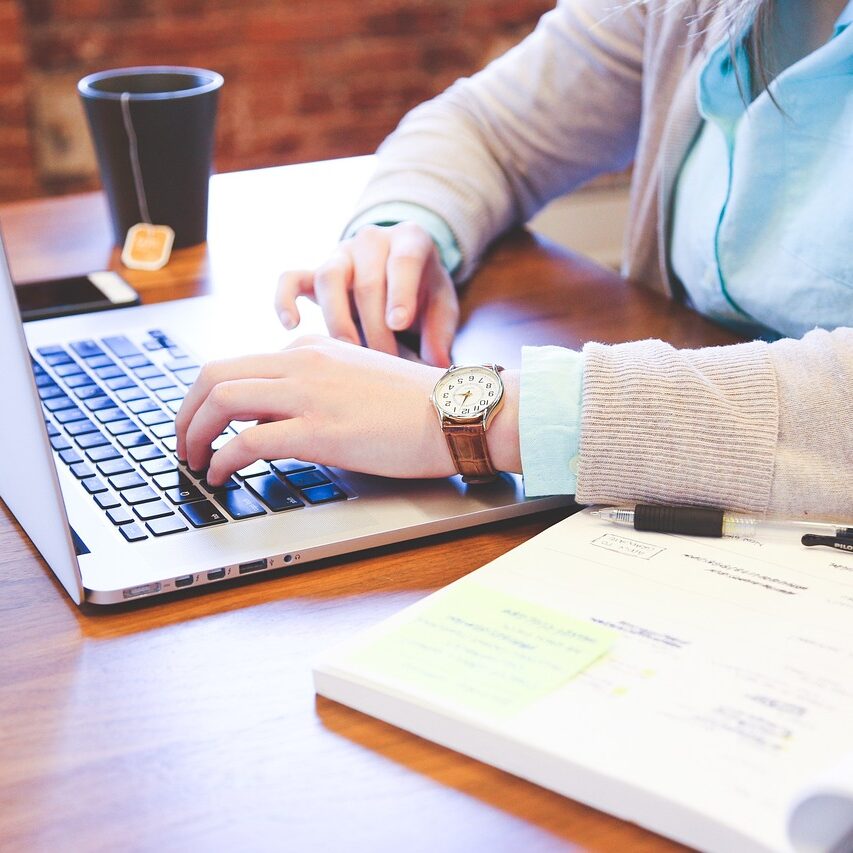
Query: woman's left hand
[[320, 399]]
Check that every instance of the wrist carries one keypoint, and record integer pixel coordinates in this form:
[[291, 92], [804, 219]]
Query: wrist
[[502, 435]]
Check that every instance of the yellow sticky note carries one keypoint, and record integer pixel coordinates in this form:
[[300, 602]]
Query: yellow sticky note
[[484, 650]]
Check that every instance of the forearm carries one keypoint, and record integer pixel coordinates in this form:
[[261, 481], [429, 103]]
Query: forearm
[[758, 427], [547, 116]]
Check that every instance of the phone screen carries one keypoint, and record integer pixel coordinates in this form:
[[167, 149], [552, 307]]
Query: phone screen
[[73, 295]]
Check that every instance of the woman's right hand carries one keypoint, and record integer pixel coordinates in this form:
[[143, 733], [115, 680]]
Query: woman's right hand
[[387, 279]]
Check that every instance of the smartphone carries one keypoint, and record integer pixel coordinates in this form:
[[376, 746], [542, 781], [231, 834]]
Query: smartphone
[[59, 297]]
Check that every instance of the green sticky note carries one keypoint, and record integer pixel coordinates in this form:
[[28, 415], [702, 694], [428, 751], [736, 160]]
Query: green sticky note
[[485, 650]]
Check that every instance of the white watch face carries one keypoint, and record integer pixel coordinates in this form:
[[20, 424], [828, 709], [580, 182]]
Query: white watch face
[[467, 392]]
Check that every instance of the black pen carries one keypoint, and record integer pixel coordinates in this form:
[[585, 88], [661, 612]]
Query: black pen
[[843, 540], [698, 520]]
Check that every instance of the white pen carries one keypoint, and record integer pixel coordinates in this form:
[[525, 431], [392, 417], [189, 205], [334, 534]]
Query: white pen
[[698, 520]]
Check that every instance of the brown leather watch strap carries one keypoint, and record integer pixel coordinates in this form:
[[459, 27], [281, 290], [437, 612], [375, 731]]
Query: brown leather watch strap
[[467, 444]]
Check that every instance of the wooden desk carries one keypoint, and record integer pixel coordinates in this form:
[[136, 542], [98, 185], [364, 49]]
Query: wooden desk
[[191, 723]]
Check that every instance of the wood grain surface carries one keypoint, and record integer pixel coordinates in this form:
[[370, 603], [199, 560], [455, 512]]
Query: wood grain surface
[[191, 723]]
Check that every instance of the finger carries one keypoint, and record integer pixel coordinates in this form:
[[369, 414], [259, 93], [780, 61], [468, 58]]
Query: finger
[[408, 259], [440, 319], [265, 366], [264, 441], [370, 256], [243, 400], [332, 283], [291, 284]]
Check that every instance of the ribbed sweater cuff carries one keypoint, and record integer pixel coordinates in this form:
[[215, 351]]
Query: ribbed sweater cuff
[[661, 425]]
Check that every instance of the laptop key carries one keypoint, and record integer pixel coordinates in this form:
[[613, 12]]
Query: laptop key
[[133, 532], [166, 430], [170, 443], [65, 416], [147, 370], [154, 509], [184, 494], [79, 427], [79, 380], [169, 394], [70, 457], [81, 471], [142, 404], [42, 379], [59, 359], [110, 371], [140, 495], [107, 500], [91, 439], [50, 349], [227, 486], [98, 402], [142, 454], [67, 369], [156, 383], [86, 348], [114, 466], [273, 493], [59, 442], [134, 361], [103, 453], [93, 485], [239, 504], [305, 479], [323, 494], [121, 427], [91, 392], [291, 466], [120, 383], [165, 526], [57, 403], [48, 392], [133, 439], [99, 361], [119, 515], [129, 394], [188, 375], [120, 345], [159, 466], [105, 416], [256, 469], [172, 480], [203, 514], [51, 428], [154, 417], [129, 480]]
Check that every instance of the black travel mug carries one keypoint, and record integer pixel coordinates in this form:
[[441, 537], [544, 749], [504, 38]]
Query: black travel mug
[[153, 130]]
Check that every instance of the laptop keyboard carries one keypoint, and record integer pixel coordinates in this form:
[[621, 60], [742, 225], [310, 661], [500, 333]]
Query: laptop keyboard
[[110, 409]]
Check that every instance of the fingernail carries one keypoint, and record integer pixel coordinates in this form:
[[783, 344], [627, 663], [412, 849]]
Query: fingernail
[[397, 317], [286, 319]]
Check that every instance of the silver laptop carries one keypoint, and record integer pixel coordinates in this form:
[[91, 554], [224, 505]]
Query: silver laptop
[[87, 461]]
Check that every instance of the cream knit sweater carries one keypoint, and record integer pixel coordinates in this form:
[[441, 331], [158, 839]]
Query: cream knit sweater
[[758, 427]]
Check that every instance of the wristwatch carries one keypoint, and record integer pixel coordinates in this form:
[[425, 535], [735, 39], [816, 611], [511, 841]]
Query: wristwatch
[[466, 399]]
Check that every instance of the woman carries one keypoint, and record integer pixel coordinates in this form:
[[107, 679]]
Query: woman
[[738, 118]]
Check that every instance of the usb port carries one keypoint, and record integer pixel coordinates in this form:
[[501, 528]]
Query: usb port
[[216, 575], [254, 566], [186, 580]]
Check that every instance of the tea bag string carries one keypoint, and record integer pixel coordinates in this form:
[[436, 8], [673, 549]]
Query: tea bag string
[[135, 168]]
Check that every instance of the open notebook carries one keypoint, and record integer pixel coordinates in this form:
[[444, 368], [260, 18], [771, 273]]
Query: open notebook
[[700, 688]]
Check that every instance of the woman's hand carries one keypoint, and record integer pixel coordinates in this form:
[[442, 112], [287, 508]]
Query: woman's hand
[[391, 279], [322, 400], [331, 403]]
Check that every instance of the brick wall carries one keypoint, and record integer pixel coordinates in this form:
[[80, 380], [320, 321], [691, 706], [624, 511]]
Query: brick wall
[[305, 79], [17, 172]]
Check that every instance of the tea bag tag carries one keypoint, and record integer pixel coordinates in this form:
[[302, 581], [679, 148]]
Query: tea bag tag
[[147, 247]]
